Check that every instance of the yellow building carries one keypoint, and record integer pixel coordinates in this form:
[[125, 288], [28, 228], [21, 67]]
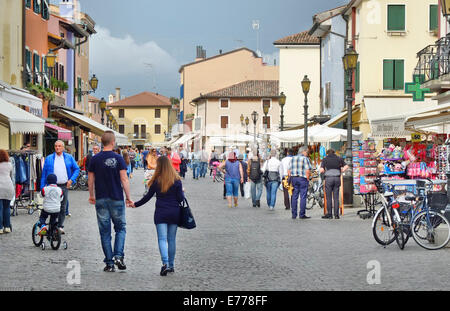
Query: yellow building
[[387, 35], [143, 118]]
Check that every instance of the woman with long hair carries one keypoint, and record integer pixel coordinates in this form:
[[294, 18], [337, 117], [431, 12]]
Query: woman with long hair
[[166, 185], [6, 192], [127, 160]]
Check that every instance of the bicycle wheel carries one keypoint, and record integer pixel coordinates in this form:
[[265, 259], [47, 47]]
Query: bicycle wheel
[[310, 201], [382, 231], [55, 239], [431, 230], [37, 239], [400, 236]]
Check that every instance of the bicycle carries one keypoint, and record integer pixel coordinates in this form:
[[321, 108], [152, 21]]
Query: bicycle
[[53, 235], [82, 182], [315, 192]]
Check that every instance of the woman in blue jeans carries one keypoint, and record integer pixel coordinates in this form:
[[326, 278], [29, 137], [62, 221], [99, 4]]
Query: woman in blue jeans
[[166, 184], [234, 176], [272, 167], [6, 192]]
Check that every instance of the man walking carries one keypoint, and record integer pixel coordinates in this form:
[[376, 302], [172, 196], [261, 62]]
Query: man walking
[[299, 172], [285, 178], [66, 169], [332, 166], [108, 172], [203, 163], [255, 175], [196, 156]]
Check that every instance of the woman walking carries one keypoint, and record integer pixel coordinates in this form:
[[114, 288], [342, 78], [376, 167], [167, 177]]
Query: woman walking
[[127, 159], [233, 177], [167, 186], [271, 169], [6, 192]]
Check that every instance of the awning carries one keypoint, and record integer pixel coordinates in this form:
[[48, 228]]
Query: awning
[[20, 121], [435, 120], [186, 138], [95, 127], [316, 134], [63, 133], [21, 97], [340, 117]]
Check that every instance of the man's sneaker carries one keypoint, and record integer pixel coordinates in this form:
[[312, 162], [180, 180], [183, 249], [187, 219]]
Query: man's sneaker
[[1, 231], [43, 230], [119, 263], [61, 230], [7, 230], [69, 215], [171, 270], [109, 268]]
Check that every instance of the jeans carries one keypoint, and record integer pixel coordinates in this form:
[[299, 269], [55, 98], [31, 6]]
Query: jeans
[[271, 190], [332, 185], [109, 210], [64, 205], [256, 191], [53, 219], [300, 189], [203, 168], [166, 241], [196, 168], [5, 214], [232, 185], [67, 208]]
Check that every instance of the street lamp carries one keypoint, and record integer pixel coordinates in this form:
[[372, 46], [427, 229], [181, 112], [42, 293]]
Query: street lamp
[[282, 102], [350, 60], [51, 60], [93, 84], [242, 120], [266, 105], [306, 84], [110, 118], [107, 117], [445, 6], [102, 105], [247, 122], [254, 119]]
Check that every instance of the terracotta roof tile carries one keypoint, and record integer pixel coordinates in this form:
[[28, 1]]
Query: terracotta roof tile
[[247, 89], [299, 38], [144, 99]]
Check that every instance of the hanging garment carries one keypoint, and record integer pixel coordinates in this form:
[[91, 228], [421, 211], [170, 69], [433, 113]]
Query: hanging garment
[[21, 173]]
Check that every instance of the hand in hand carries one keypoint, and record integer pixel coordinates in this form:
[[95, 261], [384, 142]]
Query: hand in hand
[[92, 200], [130, 204]]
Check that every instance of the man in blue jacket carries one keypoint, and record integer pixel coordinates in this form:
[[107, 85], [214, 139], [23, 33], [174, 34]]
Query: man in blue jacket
[[66, 169]]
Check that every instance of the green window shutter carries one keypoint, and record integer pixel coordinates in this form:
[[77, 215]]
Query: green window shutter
[[433, 17], [399, 73], [79, 89], [388, 74], [28, 3], [45, 9], [357, 76], [36, 7], [396, 18]]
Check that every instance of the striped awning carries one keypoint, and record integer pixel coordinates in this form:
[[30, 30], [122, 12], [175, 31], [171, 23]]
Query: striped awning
[[20, 121], [63, 134]]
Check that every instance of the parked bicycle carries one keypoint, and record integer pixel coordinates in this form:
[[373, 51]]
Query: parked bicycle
[[81, 182], [315, 192]]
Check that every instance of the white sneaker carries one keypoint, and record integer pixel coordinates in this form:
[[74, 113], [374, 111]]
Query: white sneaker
[[1, 231], [7, 230]]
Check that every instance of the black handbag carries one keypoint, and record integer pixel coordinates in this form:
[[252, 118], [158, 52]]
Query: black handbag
[[187, 220]]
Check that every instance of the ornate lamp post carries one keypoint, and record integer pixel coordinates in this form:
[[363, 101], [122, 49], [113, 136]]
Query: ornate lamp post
[[254, 119], [93, 83], [110, 118], [282, 102], [247, 122], [107, 117], [306, 84], [51, 60], [102, 105], [445, 6], [266, 111], [350, 61], [242, 120]]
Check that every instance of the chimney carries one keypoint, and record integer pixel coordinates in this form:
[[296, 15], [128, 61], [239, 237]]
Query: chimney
[[117, 94], [201, 53]]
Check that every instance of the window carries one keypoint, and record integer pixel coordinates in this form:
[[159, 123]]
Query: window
[[121, 113], [157, 128], [266, 121], [143, 131], [36, 68], [28, 3], [224, 122], [79, 86], [29, 64], [37, 6], [433, 17], [157, 113], [45, 10], [61, 72], [357, 77], [396, 17], [393, 74], [121, 129], [224, 103]]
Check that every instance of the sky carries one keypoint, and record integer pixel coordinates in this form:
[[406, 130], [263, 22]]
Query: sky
[[141, 44]]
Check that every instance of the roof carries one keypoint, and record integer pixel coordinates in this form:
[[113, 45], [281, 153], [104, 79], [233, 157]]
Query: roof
[[246, 89], [144, 99], [218, 55], [322, 17], [302, 38]]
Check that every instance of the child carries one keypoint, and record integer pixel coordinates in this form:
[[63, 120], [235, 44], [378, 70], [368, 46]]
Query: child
[[53, 196]]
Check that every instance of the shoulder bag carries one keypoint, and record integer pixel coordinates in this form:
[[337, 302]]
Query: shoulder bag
[[187, 220]]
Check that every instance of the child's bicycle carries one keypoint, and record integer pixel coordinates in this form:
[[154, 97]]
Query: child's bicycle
[[52, 234]]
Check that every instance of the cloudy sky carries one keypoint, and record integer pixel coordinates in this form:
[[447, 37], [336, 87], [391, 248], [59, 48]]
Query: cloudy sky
[[141, 44]]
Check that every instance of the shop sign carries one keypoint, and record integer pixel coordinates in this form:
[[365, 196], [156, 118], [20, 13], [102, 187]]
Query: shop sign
[[388, 128], [416, 137]]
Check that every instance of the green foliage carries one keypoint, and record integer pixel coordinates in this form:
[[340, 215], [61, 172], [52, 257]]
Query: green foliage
[[40, 91], [61, 85]]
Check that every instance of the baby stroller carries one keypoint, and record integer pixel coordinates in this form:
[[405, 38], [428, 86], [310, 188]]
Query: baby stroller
[[52, 234]]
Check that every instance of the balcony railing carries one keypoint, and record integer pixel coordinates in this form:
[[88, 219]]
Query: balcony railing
[[139, 136], [434, 60]]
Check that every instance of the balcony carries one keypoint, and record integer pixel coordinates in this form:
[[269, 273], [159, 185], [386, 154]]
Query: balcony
[[433, 66], [137, 136]]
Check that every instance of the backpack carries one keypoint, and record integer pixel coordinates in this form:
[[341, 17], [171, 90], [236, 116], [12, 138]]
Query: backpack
[[255, 171]]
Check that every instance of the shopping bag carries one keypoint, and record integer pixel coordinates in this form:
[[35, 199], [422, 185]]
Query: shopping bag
[[247, 188], [187, 220]]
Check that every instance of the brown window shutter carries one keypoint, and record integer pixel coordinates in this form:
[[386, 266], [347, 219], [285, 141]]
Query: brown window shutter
[[224, 103], [224, 122]]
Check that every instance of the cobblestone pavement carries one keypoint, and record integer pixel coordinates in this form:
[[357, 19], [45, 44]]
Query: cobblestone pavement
[[243, 248]]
